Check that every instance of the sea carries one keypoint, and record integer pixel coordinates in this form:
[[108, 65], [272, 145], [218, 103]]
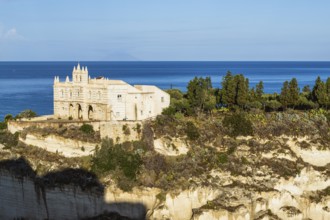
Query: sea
[[29, 85]]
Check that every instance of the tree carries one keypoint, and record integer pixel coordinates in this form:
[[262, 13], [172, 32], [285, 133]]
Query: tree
[[259, 91], [200, 94], [285, 96], [242, 90], [228, 91], [327, 88], [235, 90], [252, 95], [178, 103], [175, 94], [293, 93], [306, 89], [319, 93]]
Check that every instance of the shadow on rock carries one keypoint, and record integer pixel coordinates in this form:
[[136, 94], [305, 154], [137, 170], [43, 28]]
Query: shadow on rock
[[65, 194]]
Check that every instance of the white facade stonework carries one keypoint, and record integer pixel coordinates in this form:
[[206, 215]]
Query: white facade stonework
[[103, 99]]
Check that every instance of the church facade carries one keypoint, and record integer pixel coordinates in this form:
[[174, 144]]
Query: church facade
[[99, 98]]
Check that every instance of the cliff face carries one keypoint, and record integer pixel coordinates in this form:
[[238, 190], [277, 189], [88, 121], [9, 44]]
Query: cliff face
[[231, 197], [57, 144], [274, 174], [53, 197]]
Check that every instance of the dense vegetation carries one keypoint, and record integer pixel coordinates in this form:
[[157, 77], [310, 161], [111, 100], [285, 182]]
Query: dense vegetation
[[235, 94]]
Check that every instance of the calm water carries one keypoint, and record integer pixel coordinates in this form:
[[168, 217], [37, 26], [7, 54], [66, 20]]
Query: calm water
[[28, 85]]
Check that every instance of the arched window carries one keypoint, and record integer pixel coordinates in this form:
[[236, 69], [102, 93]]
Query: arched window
[[80, 78], [90, 112], [62, 94], [70, 94]]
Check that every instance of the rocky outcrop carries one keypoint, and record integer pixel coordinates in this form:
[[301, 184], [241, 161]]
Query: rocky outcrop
[[57, 144], [170, 147], [314, 155]]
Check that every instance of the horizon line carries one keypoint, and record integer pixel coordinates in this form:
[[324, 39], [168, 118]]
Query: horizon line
[[137, 61]]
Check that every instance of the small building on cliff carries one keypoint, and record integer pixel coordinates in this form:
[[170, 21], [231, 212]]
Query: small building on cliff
[[104, 99]]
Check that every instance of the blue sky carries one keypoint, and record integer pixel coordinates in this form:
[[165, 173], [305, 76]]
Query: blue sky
[[151, 30]]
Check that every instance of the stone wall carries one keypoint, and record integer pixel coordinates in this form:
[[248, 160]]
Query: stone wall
[[121, 131], [110, 129], [17, 126]]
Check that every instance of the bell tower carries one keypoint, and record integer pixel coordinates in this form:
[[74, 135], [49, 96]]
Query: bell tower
[[80, 74]]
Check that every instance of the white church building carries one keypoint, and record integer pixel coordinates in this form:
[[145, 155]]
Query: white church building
[[104, 99]]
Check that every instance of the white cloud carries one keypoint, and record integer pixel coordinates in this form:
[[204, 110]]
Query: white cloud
[[12, 34], [9, 34]]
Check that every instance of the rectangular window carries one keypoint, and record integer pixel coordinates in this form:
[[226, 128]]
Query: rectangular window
[[117, 114], [162, 99], [119, 98]]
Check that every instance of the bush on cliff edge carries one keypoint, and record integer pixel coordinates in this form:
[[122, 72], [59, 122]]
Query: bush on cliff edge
[[111, 157], [86, 128], [237, 124]]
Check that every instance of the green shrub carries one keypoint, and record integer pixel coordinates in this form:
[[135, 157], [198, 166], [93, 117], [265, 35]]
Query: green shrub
[[3, 125], [244, 160], [161, 196], [231, 150], [192, 131], [138, 128], [273, 105], [125, 183], [112, 156], [223, 158], [179, 116], [305, 104], [169, 111], [86, 128], [237, 124], [327, 116], [126, 130], [255, 105], [26, 114], [8, 117], [8, 139]]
